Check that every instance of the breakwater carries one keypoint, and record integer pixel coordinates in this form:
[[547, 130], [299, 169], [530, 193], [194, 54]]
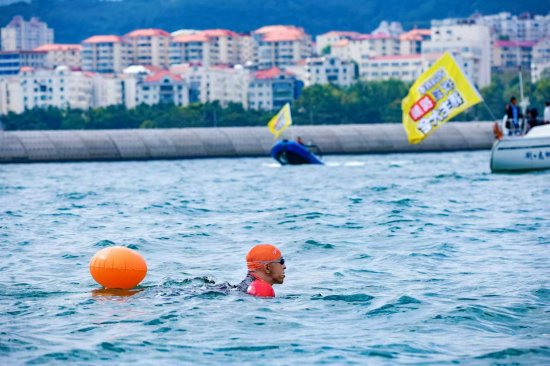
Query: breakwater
[[149, 144]]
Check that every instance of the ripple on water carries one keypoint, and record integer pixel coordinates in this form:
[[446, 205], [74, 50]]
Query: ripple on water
[[353, 298]]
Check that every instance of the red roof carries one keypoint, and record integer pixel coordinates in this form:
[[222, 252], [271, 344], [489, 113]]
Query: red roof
[[270, 73], [514, 44], [161, 75], [203, 36], [280, 33], [58, 47], [219, 33], [341, 43], [415, 35], [103, 39], [151, 32], [342, 34], [188, 38]]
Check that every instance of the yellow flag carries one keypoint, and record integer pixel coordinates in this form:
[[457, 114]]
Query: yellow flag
[[438, 95], [280, 121]]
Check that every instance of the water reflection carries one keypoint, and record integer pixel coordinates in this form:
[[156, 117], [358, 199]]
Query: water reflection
[[115, 292]]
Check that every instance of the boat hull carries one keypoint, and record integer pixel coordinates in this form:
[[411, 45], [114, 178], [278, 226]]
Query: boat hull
[[520, 154], [293, 153]]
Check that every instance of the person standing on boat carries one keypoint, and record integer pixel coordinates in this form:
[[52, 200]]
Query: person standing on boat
[[514, 114], [266, 267], [532, 117], [547, 112]]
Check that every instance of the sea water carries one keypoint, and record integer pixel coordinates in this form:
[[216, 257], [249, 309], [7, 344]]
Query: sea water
[[392, 259]]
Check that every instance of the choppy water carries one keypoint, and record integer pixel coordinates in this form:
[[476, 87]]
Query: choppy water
[[392, 259]]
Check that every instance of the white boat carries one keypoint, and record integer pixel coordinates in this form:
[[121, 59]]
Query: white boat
[[522, 153]]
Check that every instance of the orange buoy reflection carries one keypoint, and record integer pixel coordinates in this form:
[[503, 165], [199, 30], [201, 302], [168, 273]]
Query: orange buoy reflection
[[115, 292]]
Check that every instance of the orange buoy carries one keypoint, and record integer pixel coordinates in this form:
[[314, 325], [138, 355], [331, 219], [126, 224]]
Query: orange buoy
[[118, 267]]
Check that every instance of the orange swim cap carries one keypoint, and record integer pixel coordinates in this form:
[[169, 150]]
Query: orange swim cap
[[261, 253]]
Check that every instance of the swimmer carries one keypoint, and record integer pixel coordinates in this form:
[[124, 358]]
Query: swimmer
[[266, 267]]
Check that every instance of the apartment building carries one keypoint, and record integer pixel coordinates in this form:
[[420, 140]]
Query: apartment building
[[540, 66], [61, 54], [209, 47], [325, 42], [154, 88], [399, 67], [469, 42], [373, 45], [324, 70], [508, 55], [105, 54], [505, 26], [411, 41], [280, 46], [20, 35], [108, 89], [12, 61], [271, 89], [61, 88], [215, 83], [149, 47]]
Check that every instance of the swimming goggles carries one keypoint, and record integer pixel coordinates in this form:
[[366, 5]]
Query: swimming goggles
[[280, 261]]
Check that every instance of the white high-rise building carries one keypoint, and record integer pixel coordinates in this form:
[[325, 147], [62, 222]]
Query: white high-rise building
[[209, 47], [20, 35], [148, 47], [280, 46], [326, 41], [540, 66], [469, 42], [105, 54], [324, 70], [512, 54], [411, 42], [61, 88], [142, 86], [271, 89], [61, 54], [398, 67], [215, 83], [523, 27], [108, 89]]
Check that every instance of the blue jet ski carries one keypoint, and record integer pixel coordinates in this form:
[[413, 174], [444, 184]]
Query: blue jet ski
[[293, 153]]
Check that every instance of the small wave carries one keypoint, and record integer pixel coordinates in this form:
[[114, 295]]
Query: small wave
[[246, 348], [354, 298], [315, 244], [307, 216], [449, 175], [543, 294], [76, 195], [188, 281], [514, 352], [404, 303], [347, 225], [104, 243], [482, 317]]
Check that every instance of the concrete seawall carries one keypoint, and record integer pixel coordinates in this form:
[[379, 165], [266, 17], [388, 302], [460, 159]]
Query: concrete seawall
[[147, 144]]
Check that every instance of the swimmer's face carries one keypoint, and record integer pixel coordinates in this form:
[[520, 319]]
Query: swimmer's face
[[277, 272]]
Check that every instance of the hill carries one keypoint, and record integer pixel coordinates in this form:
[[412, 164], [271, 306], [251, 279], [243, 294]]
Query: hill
[[75, 20]]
